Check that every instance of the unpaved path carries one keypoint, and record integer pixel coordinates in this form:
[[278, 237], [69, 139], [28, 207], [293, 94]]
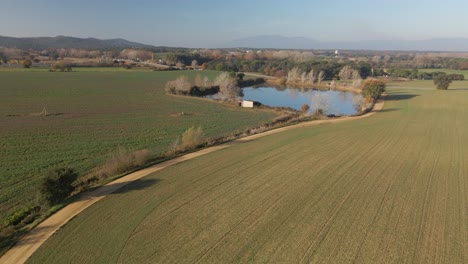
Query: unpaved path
[[29, 243]]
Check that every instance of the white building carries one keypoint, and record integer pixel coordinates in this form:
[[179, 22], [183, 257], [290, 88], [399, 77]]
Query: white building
[[248, 104]]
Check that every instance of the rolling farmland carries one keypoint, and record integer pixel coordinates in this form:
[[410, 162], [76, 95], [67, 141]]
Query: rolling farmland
[[392, 188], [91, 114]]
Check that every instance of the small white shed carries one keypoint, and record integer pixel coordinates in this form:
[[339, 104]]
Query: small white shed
[[249, 104]]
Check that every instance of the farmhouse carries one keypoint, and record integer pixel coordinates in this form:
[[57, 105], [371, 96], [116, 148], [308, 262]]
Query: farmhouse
[[249, 104]]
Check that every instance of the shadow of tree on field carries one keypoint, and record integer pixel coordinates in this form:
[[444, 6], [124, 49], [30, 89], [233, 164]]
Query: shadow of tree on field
[[119, 188], [399, 97], [387, 110], [457, 89], [138, 185]]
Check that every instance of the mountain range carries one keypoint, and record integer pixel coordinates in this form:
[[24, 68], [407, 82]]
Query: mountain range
[[281, 42], [40, 43], [256, 42]]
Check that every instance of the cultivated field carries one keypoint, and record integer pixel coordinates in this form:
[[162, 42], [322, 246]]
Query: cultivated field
[[91, 114], [392, 188]]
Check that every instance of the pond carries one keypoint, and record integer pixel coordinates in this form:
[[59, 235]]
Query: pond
[[331, 101]]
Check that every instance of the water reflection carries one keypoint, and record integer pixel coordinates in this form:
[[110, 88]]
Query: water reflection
[[332, 102]]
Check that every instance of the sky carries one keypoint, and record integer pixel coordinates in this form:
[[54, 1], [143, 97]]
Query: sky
[[210, 23]]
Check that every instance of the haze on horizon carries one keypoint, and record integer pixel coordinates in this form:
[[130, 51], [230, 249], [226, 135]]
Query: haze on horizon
[[209, 23]]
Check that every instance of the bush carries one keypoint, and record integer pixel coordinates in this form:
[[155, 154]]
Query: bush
[[58, 185], [122, 161], [17, 217], [180, 85], [191, 139], [456, 77], [27, 63], [305, 108], [442, 81], [373, 89], [60, 66]]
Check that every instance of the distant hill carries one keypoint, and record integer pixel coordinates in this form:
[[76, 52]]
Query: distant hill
[[273, 42], [41, 43], [281, 42]]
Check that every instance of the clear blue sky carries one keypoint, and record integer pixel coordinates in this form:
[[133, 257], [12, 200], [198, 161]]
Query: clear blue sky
[[209, 23]]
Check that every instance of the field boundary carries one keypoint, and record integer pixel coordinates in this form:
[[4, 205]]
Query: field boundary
[[31, 241]]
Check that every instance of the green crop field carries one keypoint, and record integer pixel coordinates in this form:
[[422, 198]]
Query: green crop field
[[391, 188], [91, 114]]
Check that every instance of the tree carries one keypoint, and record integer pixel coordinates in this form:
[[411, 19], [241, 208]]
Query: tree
[[293, 75], [311, 78], [27, 63], [180, 85], [347, 73], [373, 89], [442, 81], [228, 88], [3, 57], [356, 77], [320, 77], [60, 66], [58, 185]]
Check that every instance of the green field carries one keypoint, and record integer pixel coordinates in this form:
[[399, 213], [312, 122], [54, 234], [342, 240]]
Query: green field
[[391, 188], [91, 114]]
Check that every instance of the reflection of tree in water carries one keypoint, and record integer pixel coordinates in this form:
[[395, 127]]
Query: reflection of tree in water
[[322, 100], [343, 96], [280, 88], [293, 93], [357, 102]]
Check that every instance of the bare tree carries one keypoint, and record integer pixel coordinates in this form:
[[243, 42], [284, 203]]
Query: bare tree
[[179, 85], [311, 78], [346, 73], [320, 77], [356, 77], [194, 63], [303, 78], [228, 88], [293, 75]]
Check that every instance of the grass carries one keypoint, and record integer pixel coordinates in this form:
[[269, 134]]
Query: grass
[[91, 115], [391, 188]]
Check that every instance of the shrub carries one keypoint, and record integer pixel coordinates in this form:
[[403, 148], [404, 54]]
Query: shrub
[[60, 66], [122, 161], [456, 77], [442, 81], [373, 89], [27, 63], [180, 85], [58, 185], [305, 108], [17, 217], [190, 139]]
